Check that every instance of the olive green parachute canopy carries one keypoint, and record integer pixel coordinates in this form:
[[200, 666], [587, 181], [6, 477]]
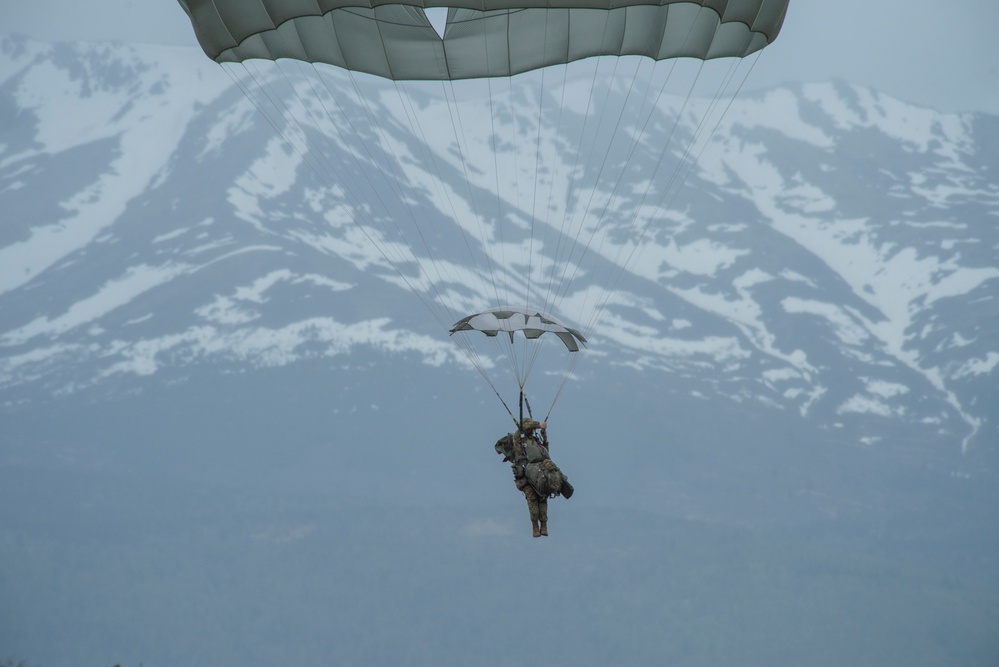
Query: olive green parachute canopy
[[532, 323], [483, 38]]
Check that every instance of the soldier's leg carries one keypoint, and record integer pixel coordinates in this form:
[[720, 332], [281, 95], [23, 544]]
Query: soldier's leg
[[534, 508], [543, 515]]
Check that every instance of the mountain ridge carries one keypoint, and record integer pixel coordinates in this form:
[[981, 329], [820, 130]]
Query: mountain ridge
[[831, 253]]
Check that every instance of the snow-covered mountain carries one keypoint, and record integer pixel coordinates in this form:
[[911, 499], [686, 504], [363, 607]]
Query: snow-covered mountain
[[829, 269]]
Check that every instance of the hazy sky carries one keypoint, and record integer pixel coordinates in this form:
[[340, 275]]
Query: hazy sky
[[940, 55]]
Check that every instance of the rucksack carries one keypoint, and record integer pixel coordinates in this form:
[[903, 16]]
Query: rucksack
[[545, 478]]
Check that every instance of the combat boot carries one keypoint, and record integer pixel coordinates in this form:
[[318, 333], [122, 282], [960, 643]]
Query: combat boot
[[537, 529], [544, 528]]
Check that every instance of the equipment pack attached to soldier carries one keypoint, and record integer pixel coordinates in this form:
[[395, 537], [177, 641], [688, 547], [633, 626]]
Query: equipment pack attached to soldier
[[545, 478]]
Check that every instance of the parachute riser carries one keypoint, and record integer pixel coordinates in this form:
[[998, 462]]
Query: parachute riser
[[521, 408], [523, 402]]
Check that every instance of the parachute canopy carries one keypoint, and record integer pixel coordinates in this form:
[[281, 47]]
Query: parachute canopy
[[510, 319], [483, 38]]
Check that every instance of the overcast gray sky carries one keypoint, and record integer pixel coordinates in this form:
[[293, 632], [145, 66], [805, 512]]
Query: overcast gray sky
[[932, 53]]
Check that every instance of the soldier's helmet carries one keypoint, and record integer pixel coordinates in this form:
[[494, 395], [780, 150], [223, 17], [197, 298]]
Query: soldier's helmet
[[529, 425]]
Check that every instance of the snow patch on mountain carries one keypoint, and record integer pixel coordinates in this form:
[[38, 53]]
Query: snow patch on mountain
[[778, 110], [747, 315], [264, 347], [249, 347], [977, 366], [237, 308], [267, 177], [847, 326], [110, 295], [917, 127]]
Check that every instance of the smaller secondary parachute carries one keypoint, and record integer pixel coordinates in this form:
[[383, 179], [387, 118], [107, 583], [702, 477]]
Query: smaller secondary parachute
[[533, 324], [511, 319]]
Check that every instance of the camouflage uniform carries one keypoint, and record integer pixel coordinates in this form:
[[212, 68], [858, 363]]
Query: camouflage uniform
[[536, 505]]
